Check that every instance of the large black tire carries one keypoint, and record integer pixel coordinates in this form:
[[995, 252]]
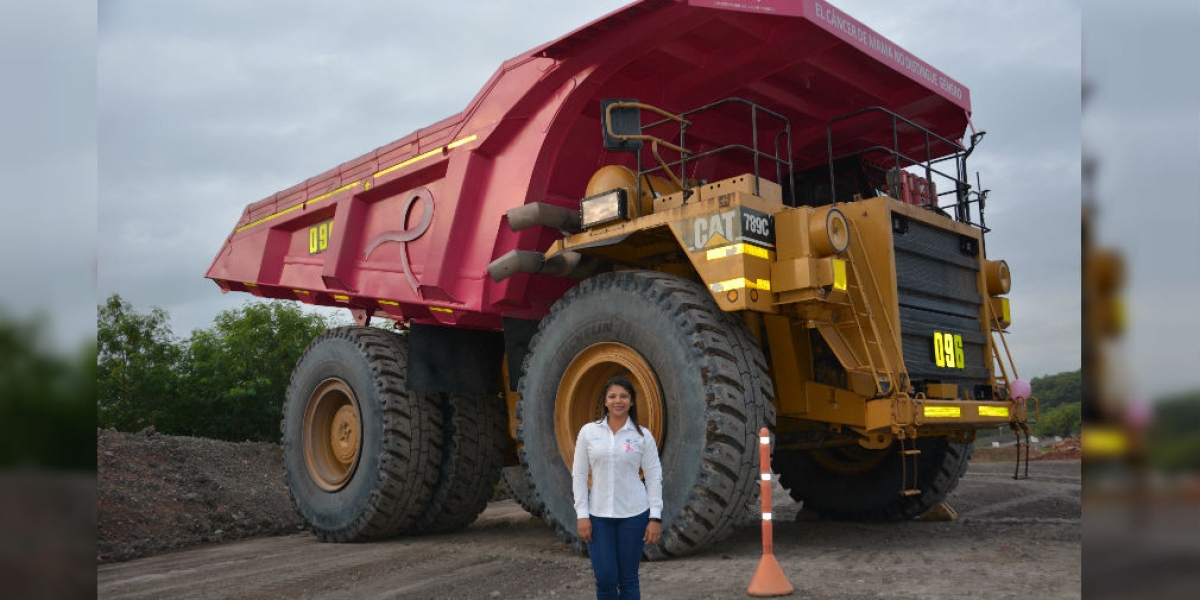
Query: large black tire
[[360, 451], [474, 434], [703, 390], [854, 484], [519, 486]]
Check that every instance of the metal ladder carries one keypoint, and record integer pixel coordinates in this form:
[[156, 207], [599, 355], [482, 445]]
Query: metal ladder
[[909, 460], [865, 321]]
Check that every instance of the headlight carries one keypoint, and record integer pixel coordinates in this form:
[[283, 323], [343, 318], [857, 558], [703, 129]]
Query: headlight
[[603, 208]]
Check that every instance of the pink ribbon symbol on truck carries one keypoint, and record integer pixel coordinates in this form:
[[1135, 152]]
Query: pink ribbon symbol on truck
[[404, 236]]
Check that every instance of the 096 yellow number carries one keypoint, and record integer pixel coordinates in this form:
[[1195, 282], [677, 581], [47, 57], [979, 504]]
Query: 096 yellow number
[[948, 350], [318, 237]]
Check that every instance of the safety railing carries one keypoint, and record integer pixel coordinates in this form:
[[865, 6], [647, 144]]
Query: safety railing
[[934, 152], [780, 159]]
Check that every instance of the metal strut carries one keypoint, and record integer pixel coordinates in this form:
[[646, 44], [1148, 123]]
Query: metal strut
[[1017, 428], [908, 456]]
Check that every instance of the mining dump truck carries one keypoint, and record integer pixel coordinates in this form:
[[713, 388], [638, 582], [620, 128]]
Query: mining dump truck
[[759, 212]]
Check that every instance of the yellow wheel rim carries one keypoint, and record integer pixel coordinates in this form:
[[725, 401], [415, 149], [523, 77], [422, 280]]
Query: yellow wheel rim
[[578, 399], [332, 435]]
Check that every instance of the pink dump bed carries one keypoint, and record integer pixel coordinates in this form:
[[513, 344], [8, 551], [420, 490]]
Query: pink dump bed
[[408, 229]]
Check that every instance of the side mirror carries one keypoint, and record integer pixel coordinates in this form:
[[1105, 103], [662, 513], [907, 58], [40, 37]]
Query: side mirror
[[625, 121]]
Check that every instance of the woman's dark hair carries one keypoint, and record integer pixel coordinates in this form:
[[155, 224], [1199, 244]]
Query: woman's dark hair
[[628, 385]]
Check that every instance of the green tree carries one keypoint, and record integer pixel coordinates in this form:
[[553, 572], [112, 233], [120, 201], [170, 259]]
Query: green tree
[[1063, 420], [236, 373], [1174, 441], [47, 413], [137, 366], [1057, 389]]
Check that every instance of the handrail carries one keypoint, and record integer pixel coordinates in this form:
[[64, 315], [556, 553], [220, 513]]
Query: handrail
[[654, 141], [1003, 341], [687, 156], [963, 193]]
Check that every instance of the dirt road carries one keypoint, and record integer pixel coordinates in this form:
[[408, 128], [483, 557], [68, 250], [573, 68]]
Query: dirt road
[[1012, 540]]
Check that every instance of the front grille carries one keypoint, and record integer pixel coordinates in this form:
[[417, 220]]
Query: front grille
[[937, 277]]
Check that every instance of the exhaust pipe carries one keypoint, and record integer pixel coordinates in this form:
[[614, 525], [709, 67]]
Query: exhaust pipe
[[571, 265], [547, 215]]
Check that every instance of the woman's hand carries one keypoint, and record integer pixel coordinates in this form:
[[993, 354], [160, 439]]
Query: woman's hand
[[584, 526], [653, 533]]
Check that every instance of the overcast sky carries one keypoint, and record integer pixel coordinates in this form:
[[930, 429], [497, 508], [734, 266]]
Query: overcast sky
[[203, 106], [1142, 123], [48, 166]]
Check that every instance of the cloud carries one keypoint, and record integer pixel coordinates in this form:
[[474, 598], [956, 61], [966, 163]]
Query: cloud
[[48, 165], [207, 106], [1142, 126]]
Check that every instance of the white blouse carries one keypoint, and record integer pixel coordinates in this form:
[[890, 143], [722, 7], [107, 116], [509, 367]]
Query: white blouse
[[614, 460]]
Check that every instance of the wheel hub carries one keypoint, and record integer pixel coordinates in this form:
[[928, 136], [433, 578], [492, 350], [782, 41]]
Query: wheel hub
[[345, 435], [332, 435], [578, 400]]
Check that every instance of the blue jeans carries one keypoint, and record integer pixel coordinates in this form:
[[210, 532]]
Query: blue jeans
[[616, 552]]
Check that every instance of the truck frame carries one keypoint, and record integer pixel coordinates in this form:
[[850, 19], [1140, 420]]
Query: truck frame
[[760, 213]]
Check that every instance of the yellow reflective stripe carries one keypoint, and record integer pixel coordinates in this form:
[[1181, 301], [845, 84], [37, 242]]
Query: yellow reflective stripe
[[993, 411], [740, 283], [440, 309], [1104, 441], [839, 274], [269, 217], [341, 298], [943, 412], [734, 250], [299, 206], [420, 157], [457, 143], [367, 185], [305, 292], [248, 284], [339, 190], [410, 161], [389, 303]]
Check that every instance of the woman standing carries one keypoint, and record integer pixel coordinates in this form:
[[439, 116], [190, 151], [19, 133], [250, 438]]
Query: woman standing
[[622, 514]]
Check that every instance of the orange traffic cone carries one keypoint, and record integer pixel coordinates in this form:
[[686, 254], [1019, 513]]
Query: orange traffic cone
[[769, 579]]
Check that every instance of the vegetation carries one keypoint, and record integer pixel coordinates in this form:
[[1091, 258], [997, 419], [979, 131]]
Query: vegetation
[[1059, 405], [225, 382], [1058, 389], [46, 410], [1174, 441], [137, 366], [1063, 420], [236, 374]]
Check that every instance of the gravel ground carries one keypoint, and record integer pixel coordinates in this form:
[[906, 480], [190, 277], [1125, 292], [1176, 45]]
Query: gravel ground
[[47, 534], [159, 493], [1013, 539]]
